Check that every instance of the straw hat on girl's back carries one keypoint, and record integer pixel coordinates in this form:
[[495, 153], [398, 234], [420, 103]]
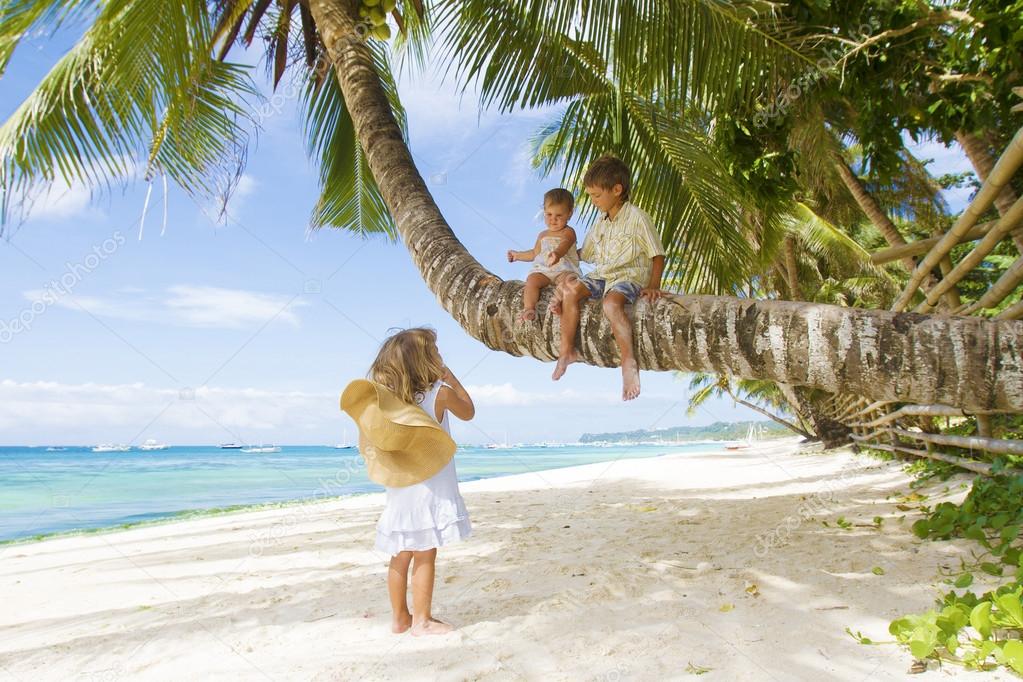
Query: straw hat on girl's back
[[401, 443]]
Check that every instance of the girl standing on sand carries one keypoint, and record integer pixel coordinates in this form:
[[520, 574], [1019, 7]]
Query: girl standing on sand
[[406, 440]]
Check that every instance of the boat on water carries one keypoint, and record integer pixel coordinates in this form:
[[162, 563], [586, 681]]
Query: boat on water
[[261, 449], [151, 444], [111, 448], [231, 446], [343, 445], [498, 446], [752, 435]]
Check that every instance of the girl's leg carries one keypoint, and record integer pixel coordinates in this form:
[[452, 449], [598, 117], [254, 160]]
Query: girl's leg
[[397, 588], [573, 292], [423, 570], [534, 283]]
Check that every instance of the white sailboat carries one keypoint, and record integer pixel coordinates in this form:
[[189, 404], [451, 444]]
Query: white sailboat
[[752, 435], [344, 445], [151, 444]]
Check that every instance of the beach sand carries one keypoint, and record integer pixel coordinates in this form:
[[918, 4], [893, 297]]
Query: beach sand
[[641, 569]]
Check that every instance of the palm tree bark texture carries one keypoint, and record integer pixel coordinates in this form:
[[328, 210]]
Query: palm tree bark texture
[[972, 363]]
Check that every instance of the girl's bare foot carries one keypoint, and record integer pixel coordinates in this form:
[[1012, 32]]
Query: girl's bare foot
[[431, 626], [630, 379], [563, 362], [527, 315], [401, 623]]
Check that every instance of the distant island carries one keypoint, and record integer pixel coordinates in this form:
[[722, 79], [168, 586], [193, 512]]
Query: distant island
[[715, 431]]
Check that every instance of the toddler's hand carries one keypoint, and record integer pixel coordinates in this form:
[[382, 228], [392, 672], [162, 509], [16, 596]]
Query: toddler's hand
[[552, 259], [511, 256]]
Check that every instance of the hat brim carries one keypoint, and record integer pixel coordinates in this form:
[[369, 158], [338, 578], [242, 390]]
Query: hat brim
[[401, 443]]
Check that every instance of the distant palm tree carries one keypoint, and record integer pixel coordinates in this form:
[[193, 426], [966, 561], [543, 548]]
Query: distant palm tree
[[759, 396], [145, 81]]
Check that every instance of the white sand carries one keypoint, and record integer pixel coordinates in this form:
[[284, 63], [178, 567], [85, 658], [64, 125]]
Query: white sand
[[612, 571]]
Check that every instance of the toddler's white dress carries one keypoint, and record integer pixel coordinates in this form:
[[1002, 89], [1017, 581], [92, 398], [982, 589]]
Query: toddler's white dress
[[427, 514]]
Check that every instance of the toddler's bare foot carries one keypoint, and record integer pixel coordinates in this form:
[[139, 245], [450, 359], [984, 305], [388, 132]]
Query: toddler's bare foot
[[563, 362], [630, 379], [527, 315], [401, 624], [431, 626]]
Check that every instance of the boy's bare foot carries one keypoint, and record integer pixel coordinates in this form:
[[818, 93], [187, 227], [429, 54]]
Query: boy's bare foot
[[563, 363], [401, 624], [630, 379], [527, 315], [431, 626]]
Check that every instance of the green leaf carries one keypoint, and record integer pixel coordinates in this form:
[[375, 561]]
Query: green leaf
[[1010, 609], [877, 570], [922, 528], [980, 619], [1012, 655], [990, 568], [965, 580], [923, 641]]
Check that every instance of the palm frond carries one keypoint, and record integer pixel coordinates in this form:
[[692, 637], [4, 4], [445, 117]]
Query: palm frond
[[141, 82], [700, 53], [349, 196], [18, 17]]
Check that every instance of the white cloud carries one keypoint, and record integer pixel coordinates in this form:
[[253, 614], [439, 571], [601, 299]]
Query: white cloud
[[187, 306], [61, 202], [133, 412], [246, 186]]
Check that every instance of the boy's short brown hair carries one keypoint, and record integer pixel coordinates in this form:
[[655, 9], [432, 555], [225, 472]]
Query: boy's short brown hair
[[606, 172], [559, 196]]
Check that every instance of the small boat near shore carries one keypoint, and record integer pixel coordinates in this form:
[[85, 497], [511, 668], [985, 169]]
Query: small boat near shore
[[111, 448], [231, 446], [151, 445]]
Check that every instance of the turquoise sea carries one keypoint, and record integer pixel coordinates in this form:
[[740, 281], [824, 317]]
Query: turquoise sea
[[45, 491]]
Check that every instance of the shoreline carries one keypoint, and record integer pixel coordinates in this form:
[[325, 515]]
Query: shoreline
[[205, 512], [624, 569]]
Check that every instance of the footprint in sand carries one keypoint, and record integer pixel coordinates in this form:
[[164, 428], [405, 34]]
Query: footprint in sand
[[497, 585]]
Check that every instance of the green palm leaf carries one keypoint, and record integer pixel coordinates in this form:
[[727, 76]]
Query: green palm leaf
[[140, 83], [349, 196]]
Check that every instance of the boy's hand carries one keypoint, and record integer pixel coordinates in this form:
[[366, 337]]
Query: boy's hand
[[552, 258], [511, 256], [652, 294]]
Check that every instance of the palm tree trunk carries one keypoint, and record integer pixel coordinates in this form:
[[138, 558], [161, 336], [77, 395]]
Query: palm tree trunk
[[877, 354], [980, 157], [792, 269], [880, 220]]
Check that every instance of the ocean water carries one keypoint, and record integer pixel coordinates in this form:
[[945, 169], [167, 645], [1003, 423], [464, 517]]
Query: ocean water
[[44, 492]]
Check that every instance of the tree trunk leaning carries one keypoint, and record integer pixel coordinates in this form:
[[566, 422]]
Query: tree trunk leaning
[[967, 362]]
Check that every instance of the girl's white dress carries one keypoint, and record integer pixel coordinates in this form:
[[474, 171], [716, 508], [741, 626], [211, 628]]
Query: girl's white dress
[[427, 514]]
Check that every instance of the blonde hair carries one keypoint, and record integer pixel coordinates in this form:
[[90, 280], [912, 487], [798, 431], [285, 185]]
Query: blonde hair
[[408, 363]]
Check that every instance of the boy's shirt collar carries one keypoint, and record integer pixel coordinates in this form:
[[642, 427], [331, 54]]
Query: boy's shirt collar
[[607, 214]]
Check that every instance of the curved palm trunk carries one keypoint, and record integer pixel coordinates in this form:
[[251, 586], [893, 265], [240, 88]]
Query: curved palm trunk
[[878, 354], [880, 220]]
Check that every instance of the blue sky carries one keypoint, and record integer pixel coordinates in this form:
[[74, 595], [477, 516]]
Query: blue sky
[[247, 330]]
